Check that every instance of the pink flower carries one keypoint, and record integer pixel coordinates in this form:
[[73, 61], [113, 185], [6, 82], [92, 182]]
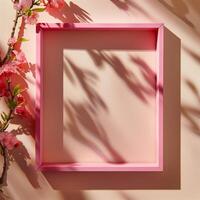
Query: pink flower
[[8, 69], [32, 19], [14, 66], [12, 41], [20, 57], [20, 99], [3, 88], [9, 140], [22, 4], [21, 111], [2, 85], [58, 4]]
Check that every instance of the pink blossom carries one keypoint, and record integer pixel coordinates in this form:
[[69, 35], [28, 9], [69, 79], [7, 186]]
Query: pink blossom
[[20, 99], [12, 41], [9, 140], [3, 88], [32, 19], [21, 111], [14, 66], [2, 85], [20, 57], [4, 93], [8, 69], [58, 4], [22, 4]]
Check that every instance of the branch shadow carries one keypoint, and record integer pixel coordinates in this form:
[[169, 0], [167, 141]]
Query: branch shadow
[[84, 115], [193, 54], [70, 13], [180, 9], [87, 81], [22, 158], [128, 77], [81, 117], [143, 92], [192, 113], [128, 5]]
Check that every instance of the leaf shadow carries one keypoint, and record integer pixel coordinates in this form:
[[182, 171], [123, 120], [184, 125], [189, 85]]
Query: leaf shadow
[[87, 81], [180, 9], [84, 114], [128, 5], [127, 76], [70, 13], [80, 119], [193, 54], [22, 158], [192, 113]]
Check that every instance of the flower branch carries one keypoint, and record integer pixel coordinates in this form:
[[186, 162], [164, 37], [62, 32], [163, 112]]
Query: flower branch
[[11, 65], [6, 58]]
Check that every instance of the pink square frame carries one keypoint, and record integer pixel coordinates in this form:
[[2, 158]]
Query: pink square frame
[[40, 28]]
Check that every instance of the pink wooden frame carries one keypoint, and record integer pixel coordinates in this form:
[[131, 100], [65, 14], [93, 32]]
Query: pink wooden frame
[[40, 28]]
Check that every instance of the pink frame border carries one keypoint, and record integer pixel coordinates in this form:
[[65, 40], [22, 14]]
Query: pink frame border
[[159, 99]]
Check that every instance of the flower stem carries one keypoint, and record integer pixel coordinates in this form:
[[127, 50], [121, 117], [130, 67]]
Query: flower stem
[[5, 125], [3, 149], [7, 56], [9, 117], [5, 164]]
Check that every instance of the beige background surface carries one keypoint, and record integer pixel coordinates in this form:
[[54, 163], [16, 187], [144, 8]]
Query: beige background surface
[[183, 19]]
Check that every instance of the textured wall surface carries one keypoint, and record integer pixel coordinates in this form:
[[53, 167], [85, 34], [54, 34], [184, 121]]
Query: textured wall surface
[[182, 17]]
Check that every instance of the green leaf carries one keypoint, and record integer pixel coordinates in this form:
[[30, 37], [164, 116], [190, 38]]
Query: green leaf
[[16, 90], [12, 104], [38, 9], [28, 12], [37, 2], [4, 116], [6, 126], [23, 40]]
